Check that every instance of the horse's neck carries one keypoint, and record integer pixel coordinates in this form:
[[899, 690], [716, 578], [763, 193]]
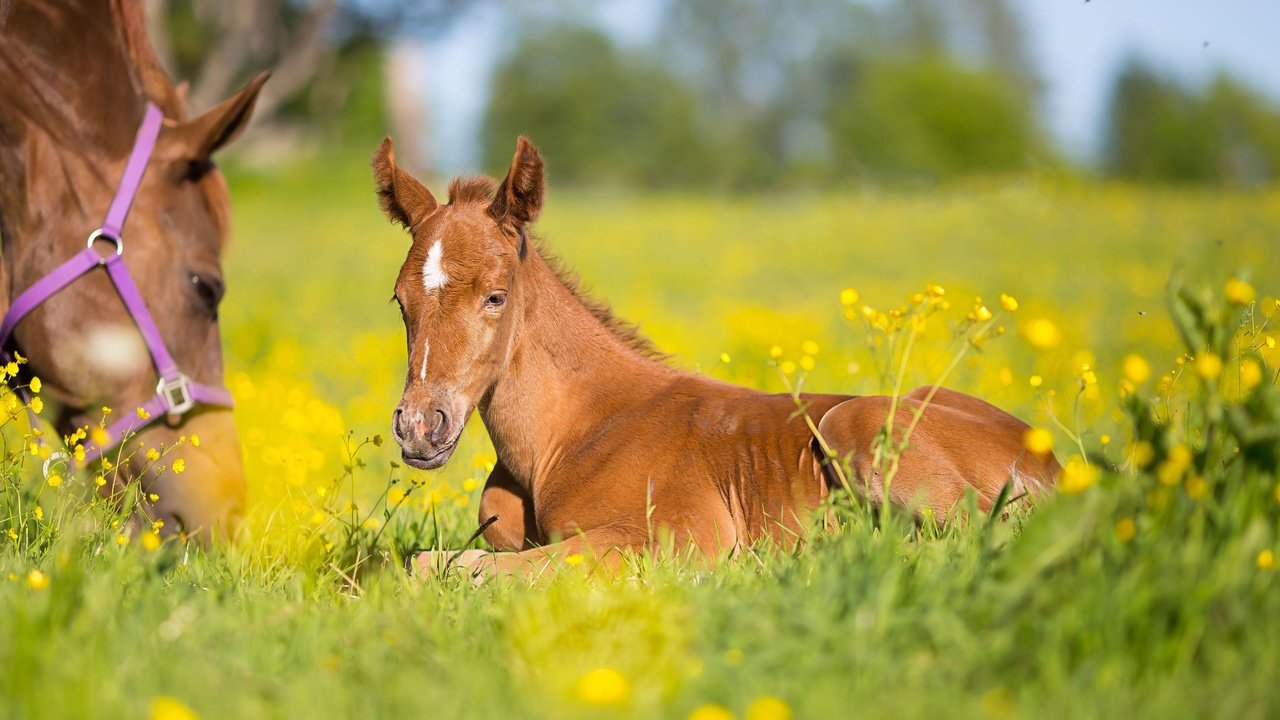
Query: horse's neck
[[566, 375]]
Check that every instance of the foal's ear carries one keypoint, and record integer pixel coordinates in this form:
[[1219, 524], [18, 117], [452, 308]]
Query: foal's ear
[[198, 139], [519, 198], [402, 197]]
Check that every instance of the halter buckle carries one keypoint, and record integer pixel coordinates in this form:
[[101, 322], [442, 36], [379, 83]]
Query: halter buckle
[[176, 393], [98, 234]]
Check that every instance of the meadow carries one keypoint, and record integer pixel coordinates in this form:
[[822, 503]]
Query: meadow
[[1146, 587]]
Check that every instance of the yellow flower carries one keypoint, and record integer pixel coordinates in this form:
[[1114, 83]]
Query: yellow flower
[[1078, 475], [195, 440], [1196, 487], [788, 367], [809, 347], [37, 405], [1089, 376], [155, 526], [153, 497], [1208, 365], [936, 291], [982, 313], [99, 481], [1266, 560], [122, 540], [55, 480], [1042, 333], [153, 454], [150, 542], [470, 484], [164, 707], [13, 534], [98, 436], [39, 512], [1126, 529], [143, 414], [1136, 369], [724, 358], [1271, 342], [768, 707], [1036, 381], [1250, 374], [1105, 439], [603, 686], [807, 363], [1008, 302], [574, 559], [11, 368], [372, 523], [179, 466], [78, 453], [1173, 467], [1239, 292], [36, 385], [848, 297], [1038, 441], [775, 352], [37, 580], [711, 711]]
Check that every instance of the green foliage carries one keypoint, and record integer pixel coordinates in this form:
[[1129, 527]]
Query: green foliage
[[928, 116], [598, 114], [1160, 130]]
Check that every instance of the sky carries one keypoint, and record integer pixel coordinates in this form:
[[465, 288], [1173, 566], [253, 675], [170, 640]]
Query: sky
[[1078, 46]]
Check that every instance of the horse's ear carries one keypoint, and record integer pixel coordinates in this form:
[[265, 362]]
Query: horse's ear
[[519, 197], [402, 197], [199, 138]]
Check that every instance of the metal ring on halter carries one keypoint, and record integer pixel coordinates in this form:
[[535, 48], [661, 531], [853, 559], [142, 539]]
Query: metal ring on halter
[[55, 456], [98, 234]]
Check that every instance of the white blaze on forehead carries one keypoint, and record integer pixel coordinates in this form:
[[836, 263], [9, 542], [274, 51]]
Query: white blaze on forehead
[[433, 276]]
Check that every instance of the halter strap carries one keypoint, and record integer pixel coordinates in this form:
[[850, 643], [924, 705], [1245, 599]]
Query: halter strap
[[176, 394]]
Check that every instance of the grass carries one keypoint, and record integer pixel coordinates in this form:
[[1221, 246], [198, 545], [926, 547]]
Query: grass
[[1066, 612]]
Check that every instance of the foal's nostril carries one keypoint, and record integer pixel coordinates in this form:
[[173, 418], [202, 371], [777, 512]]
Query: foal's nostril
[[395, 424], [441, 426]]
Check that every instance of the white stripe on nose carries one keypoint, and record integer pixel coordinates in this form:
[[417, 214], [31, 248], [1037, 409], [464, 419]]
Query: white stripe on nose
[[426, 350]]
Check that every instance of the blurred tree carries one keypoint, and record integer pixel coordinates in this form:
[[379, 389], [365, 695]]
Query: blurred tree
[[221, 43], [1160, 130], [928, 117], [598, 114]]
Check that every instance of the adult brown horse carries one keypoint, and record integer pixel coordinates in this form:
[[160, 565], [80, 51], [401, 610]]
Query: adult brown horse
[[77, 77], [600, 443]]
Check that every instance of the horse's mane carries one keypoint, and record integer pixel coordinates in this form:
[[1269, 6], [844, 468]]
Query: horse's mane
[[29, 88], [480, 189]]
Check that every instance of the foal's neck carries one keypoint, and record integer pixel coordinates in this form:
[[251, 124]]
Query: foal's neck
[[567, 374]]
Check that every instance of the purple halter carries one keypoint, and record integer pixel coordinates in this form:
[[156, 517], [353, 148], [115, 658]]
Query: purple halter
[[176, 394]]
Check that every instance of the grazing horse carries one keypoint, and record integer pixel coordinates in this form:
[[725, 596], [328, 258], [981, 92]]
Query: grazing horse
[[600, 443], [81, 86]]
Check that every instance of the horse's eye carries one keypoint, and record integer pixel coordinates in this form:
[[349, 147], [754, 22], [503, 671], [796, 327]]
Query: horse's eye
[[496, 299], [209, 290]]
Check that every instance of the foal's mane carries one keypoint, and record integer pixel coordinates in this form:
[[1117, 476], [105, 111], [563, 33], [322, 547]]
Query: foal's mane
[[480, 190]]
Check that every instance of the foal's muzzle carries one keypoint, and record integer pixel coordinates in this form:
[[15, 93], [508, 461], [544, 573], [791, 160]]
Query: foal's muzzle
[[427, 437]]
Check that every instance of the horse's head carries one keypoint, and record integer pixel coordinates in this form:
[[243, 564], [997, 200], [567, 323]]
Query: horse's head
[[459, 293], [61, 165]]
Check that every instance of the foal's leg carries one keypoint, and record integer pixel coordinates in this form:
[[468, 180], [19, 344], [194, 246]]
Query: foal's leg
[[961, 442], [515, 528], [605, 545]]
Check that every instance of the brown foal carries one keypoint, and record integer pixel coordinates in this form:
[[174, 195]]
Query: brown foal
[[76, 77], [602, 445]]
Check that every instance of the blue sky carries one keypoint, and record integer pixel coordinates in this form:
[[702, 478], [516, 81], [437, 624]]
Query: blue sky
[[1077, 45]]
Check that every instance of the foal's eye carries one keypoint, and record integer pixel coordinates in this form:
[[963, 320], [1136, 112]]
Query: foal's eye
[[209, 290], [496, 299]]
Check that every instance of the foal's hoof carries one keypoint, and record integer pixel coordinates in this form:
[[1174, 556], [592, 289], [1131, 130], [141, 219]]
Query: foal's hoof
[[432, 563]]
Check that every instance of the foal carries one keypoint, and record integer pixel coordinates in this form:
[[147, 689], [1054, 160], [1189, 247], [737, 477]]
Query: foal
[[600, 443]]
